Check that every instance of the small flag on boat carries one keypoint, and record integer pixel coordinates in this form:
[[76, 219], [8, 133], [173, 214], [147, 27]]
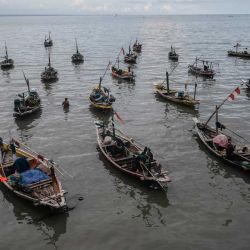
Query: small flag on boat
[[3, 179], [119, 118], [123, 51], [233, 95]]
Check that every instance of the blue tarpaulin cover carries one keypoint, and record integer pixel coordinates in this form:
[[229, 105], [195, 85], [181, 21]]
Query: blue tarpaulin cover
[[32, 176]]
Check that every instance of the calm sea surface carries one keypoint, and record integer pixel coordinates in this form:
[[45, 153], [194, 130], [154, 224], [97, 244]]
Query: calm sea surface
[[207, 205]]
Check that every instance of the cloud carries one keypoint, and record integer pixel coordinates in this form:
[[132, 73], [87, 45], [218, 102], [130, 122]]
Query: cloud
[[89, 6], [167, 7]]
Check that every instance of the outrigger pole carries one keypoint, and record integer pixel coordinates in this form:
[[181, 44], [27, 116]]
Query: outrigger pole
[[101, 78], [27, 82]]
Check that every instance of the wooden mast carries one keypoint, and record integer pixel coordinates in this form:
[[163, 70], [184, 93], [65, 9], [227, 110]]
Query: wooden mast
[[195, 87], [217, 119], [167, 81]]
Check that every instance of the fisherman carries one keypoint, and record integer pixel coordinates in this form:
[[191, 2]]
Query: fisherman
[[230, 150], [65, 103], [205, 68]]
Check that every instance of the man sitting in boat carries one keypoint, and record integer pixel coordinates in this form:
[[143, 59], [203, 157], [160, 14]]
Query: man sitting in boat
[[180, 94], [146, 158], [230, 150]]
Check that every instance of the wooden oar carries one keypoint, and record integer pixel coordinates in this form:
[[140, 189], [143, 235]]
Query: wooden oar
[[142, 164]]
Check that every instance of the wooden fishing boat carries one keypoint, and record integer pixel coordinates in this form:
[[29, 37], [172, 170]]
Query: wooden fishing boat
[[26, 103], [175, 96], [49, 74], [129, 157], [226, 148], [100, 97], [205, 71], [173, 55], [30, 176], [77, 57], [48, 41], [236, 53], [122, 74], [137, 46], [7, 63], [130, 57]]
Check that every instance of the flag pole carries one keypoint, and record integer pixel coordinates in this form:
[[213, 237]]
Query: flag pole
[[217, 108]]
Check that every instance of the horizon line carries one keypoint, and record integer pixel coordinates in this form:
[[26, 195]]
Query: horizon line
[[117, 14]]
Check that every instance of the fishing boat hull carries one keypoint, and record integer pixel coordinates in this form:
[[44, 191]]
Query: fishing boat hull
[[7, 64], [185, 101], [122, 163], [48, 44], [27, 112], [203, 132], [129, 77], [200, 72], [173, 57], [100, 106], [47, 193], [77, 58], [238, 54]]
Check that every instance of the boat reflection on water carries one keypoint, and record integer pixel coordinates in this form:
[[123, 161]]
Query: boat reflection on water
[[149, 202], [182, 110], [27, 123], [47, 223], [100, 114]]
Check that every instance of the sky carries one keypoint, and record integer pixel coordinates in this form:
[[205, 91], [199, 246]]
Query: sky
[[125, 7]]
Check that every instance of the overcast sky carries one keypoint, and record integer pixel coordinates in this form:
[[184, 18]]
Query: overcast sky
[[145, 7]]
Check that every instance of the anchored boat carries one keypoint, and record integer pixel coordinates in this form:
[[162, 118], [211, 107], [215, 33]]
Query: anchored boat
[[130, 157], [120, 73], [77, 57], [49, 74], [244, 53], [27, 102], [130, 57], [221, 144], [206, 70], [137, 46], [30, 176], [100, 97], [179, 97], [173, 55], [48, 41], [7, 63]]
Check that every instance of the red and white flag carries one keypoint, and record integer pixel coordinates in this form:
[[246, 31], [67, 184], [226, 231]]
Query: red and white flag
[[3, 179], [119, 118], [233, 95], [123, 51]]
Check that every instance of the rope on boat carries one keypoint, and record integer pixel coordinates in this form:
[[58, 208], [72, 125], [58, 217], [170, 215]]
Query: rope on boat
[[56, 166]]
